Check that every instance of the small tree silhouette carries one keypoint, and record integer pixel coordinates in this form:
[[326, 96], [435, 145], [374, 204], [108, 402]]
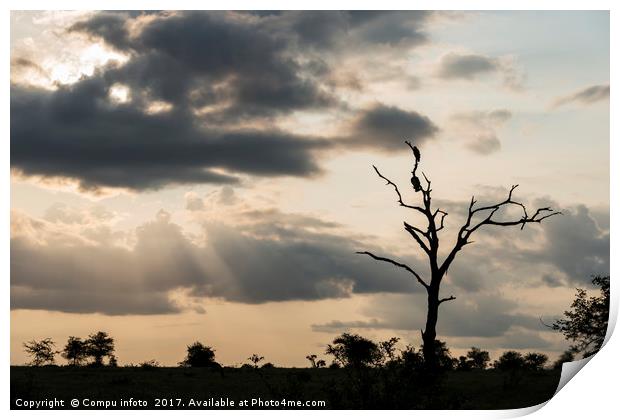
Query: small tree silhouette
[[411, 359], [510, 361], [199, 355], [149, 364], [388, 349], [586, 323], [112, 361], [98, 346], [535, 361], [512, 364], [478, 358], [353, 350], [315, 362], [427, 238], [42, 352], [464, 364], [75, 351], [312, 358], [255, 359]]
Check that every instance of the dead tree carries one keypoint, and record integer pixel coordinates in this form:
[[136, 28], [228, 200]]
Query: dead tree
[[428, 240]]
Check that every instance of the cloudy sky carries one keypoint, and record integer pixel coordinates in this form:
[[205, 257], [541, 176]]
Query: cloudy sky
[[208, 176]]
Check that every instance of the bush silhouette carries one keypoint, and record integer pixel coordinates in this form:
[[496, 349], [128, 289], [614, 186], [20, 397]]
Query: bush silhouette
[[478, 359], [42, 352], [388, 350], [199, 355], [535, 361], [255, 359], [149, 364], [412, 359], [510, 361], [75, 351], [98, 346], [353, 350], [464, 364]]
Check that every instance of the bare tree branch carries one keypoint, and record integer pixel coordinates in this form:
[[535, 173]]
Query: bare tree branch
[[466, 231], [446, 299], [443, 216], [540, 214], [400, 198], [413, 231], [398, 264]]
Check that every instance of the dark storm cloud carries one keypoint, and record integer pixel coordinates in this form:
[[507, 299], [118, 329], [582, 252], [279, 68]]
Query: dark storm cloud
[[387, 127], [261, 262], [309, 266], [180, 53], [109, 26], [211, 71], [75, 132], [467, 66], [585, 96]]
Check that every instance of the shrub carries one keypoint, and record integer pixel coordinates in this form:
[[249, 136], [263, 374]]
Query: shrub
[[353, 350], [479, 359], [42, 352], [535, 361], [509, 361], [199, 355]]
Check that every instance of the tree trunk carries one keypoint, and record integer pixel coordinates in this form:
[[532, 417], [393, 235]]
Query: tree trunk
[[430, 332]]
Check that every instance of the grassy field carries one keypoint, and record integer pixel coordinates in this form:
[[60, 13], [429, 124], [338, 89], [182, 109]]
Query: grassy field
[[208, 388]]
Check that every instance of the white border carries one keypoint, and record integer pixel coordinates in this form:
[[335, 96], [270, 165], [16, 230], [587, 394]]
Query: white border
[[593, 394]]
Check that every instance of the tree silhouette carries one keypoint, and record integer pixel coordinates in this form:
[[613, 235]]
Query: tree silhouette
[[388, 349], [411, 359], [255, 359], [463, 363], [478, 358], [353, 350], [427, 238], [510, 361], [199, 355], [535, 361], [586, 323], [98, 346], [75, 351], [112, 361], [42, 352], [315, 362]]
